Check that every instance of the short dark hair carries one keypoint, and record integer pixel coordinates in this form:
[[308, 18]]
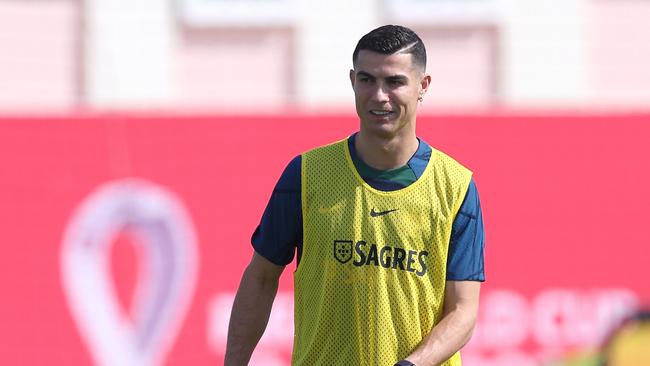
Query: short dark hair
[[390, 39]]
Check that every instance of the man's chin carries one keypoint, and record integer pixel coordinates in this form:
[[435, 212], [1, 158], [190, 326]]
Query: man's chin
[[383, 130]]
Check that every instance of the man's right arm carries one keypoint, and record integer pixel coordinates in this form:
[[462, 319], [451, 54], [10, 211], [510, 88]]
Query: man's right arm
[[275, 241], [251, 309]]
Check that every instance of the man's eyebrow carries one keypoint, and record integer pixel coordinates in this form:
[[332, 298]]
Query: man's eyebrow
[[397, 78], [363, 73]]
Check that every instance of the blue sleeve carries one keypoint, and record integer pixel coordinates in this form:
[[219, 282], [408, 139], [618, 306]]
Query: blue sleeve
[[466, 248], [279, 233]]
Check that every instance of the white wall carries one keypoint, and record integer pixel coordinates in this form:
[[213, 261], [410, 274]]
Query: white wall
[[544, 53], [129, 53], [220, 55], [38, 56]]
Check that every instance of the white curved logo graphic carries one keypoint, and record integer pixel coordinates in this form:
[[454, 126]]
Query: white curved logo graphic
[[167, 247]]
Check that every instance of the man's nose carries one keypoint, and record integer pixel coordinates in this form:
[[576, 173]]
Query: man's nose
[[380, 94]]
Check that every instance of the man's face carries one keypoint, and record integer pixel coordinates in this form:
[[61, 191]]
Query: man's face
[[386, 89]]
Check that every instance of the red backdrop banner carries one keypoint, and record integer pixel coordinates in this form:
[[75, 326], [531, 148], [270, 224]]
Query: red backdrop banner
[[124, 237]]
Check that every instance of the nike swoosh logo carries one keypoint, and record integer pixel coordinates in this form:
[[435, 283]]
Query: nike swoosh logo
[[374, 213]]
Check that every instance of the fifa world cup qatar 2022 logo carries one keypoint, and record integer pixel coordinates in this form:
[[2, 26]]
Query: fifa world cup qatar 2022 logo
[[166, 244]]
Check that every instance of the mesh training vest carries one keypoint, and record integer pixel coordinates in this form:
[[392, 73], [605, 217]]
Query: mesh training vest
[[371, 280]]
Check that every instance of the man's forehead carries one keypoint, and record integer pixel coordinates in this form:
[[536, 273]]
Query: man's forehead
[[373, 63]]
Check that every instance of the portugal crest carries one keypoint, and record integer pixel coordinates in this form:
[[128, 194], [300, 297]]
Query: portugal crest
[[343, 250]]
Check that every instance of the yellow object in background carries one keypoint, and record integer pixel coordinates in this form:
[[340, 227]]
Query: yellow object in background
[[627, 345], [630, 345]]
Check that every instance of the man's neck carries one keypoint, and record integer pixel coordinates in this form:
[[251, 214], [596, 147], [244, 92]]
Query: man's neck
[[385, 153]]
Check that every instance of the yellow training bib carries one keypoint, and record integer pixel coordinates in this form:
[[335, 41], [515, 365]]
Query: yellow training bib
[[371, 280]]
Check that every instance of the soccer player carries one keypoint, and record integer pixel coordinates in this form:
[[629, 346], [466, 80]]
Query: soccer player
[[388, 233]]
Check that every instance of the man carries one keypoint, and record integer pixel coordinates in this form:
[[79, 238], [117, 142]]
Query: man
[[388, 233]]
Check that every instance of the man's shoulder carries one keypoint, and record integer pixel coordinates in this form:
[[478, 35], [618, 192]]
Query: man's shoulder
[[446, 160], [325, 155], [290, 178], [331, 146], [444, 165], [292, 172]]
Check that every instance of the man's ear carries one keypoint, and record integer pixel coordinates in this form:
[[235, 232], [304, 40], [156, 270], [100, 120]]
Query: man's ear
[[352, 77], [425, 83]]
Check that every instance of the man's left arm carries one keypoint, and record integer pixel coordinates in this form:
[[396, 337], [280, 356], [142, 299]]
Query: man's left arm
[[454, 329]]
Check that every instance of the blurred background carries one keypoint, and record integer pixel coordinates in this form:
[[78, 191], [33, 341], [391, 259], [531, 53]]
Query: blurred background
[[229, 55], [140, 142]]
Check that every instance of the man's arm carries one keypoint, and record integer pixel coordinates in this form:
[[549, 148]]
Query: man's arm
[[251, 309], [454, 329]]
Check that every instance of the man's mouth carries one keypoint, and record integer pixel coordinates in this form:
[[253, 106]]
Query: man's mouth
[[380, 112]]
